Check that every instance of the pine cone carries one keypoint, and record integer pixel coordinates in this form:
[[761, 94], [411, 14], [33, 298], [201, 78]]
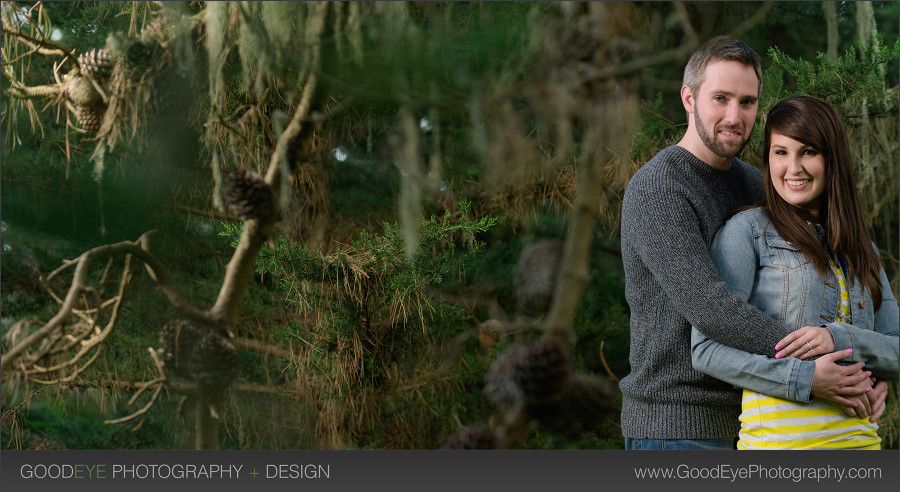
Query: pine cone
[[536, 274], [490, 332], [81, 92], [589, 400], [532, 376], [97, 62], [248, 195], [472, 437], [545, 371], [499, 382], [214, 362], [90, 117], [153, 29], [177, 341]]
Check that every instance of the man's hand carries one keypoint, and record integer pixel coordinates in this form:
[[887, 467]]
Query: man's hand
[[806, 342], [839, 383], [861, 407], [877, 398]]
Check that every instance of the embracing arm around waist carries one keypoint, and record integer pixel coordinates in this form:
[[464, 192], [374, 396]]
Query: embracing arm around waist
[[681, 265], [788, 378]]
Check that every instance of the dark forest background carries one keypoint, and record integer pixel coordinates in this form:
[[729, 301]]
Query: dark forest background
[[414, 151]]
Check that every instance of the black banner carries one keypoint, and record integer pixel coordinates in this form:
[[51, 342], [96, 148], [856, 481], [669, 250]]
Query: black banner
[[469, 471]]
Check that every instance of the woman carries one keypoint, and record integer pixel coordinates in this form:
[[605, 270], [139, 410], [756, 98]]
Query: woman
[[805, 258]]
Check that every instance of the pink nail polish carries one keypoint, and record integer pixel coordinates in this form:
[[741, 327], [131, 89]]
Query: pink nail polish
[[778, 347], [854, 405], [849, 351], [868, 373], [868, 390], [778, 356]]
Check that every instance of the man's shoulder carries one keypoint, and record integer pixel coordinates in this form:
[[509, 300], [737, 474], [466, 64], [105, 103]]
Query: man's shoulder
[[662, 158], [657, 170]]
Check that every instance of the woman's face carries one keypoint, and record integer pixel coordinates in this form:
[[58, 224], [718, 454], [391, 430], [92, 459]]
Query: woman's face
[[797, 171]]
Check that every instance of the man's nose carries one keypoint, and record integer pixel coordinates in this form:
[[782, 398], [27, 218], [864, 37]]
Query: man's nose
[[733, 113]]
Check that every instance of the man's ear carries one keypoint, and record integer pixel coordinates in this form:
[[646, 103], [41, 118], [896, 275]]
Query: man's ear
[[687, 99]]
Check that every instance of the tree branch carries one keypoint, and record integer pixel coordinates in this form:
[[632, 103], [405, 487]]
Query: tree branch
[[158, 272], [240, 268], [188, 389], [681, 52], [273, 351], [42, 45]]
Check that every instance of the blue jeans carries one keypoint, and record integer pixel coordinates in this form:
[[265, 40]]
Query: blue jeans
[[678, 444]]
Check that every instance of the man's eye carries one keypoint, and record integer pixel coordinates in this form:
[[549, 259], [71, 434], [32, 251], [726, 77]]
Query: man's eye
[[719, 98], [747, 102]]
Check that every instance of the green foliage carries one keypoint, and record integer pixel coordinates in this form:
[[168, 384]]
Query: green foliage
[[73, 419], [858, 73], [379, 321], [373, 269], [654, 132]]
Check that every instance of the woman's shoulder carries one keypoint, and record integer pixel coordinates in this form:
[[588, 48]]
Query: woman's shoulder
[[757, 218]]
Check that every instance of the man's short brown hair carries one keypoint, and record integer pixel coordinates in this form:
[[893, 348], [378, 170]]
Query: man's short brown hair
[[717, 49]]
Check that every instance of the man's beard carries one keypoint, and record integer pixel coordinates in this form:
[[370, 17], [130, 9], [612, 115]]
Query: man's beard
[[710, 141]]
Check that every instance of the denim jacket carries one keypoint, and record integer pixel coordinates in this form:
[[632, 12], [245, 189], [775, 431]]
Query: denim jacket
[[773, 275]]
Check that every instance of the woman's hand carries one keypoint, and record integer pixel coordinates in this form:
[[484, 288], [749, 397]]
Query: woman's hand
[[806, 342]]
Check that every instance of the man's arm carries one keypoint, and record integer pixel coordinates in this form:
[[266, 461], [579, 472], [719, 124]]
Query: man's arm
[[664, 229], [789, 378]]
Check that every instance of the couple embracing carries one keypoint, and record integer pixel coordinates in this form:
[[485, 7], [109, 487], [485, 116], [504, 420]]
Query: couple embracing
[[761, 317]]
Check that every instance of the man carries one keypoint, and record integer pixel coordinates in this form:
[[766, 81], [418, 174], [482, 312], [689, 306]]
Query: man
[[671, 211]]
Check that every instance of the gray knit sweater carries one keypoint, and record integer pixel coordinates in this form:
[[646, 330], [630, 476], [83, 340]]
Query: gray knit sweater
[[671, 211]]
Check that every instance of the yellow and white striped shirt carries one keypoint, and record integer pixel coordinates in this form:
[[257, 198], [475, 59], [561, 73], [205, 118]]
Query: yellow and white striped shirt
[[843, 307], [775, 423]]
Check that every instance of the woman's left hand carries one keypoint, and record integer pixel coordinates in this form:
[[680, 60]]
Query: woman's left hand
[[806, 342]]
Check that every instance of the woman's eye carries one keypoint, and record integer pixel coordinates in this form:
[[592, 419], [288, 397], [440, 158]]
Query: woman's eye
[[780, 152]]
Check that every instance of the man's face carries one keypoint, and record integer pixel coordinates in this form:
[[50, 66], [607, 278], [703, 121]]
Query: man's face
[[725, 107]]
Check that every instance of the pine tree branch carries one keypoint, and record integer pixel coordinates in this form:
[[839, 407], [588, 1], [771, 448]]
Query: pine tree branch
[[20, 91], [188, 389], [273, 351], [240, 268], [682, 52], [157, 271], [42, 45]]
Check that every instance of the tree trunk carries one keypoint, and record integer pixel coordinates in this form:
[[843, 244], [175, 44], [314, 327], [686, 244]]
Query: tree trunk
[[831, 30]]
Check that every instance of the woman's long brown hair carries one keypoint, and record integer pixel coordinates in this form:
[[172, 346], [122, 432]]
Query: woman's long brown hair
[[817, 124]]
